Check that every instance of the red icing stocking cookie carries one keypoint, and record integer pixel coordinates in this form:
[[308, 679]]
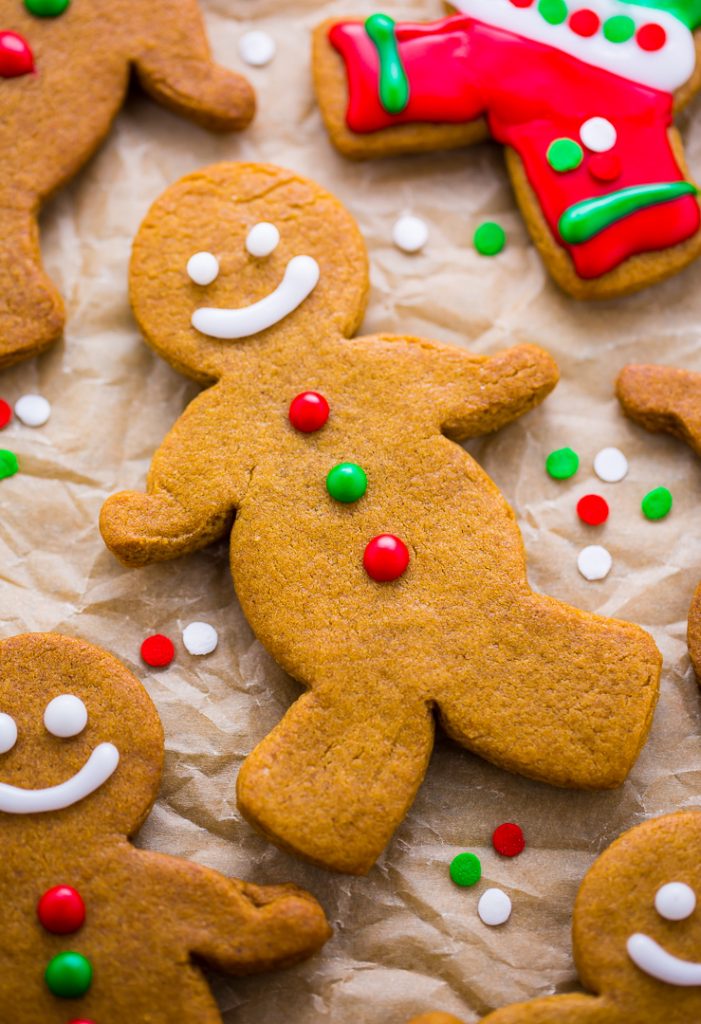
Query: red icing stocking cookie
[[580, 93]]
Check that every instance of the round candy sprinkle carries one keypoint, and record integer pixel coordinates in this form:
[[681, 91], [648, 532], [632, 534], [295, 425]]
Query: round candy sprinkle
[[46, 8], [386, 558], [594, 562], [489, 239], [564, 155], [69, 975], [554, 11], [203, 268], [619, 29], [592, 509], [5, 413], [257, 48], [598, 134], [347, 482], [562, 463], [61, 910], [466, 869], [611, 465], [16, 57], [309, 412], [8, 463], [200, 638], [585, 23], [675, 901], [32, 410], [651, 37], [157, 650], [605, 166], [657, 504], [262, 240], [494, 907], [508, 840], [410, 234]]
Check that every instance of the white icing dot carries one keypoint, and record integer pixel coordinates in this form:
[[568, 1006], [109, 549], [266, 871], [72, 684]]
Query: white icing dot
[[410, 234], [494, 907], [32, 410], [256, 48], [203, 268], [611, 465], [8, 733], [65, 716], [594, 562], [675, 901], [598, 134], [200, 638], [262, 239]]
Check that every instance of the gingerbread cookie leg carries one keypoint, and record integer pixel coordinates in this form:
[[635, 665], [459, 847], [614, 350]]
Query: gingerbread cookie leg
[[663, 399]]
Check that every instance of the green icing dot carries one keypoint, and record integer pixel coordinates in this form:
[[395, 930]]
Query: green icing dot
[[465, 869], [564, 155], [46, 8], [8, 463], [657, 504], [69, 975], [347, 482], [554, 11], [562, 464], [619, 29], [489, 238]]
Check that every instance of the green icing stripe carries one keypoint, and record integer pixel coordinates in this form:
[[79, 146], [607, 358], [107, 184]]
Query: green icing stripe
[[688, 11], [394, 84], [584, 220]]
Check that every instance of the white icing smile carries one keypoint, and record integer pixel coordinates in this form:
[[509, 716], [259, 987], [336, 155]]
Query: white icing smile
[[650, 957], [101, 764]]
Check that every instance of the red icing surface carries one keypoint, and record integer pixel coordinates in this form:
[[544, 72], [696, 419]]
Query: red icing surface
[[460, 69]]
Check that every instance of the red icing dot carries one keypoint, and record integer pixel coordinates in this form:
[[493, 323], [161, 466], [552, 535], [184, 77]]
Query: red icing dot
[[508, 840], [522, 3], [592, 509], [605, 166], [309, 412], [61, 910], [16, 57], [157, 650], [651, 37], [386, 558], [585, 22], [5, 413], [83, 1020]]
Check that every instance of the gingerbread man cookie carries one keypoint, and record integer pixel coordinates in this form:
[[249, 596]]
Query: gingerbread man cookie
[[661, 398], [92, 927], [636, 934], [580, 92], [64, 73], [372, 556]]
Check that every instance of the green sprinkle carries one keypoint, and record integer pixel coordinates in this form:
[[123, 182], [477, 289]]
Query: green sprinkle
[[619, 29], [394, 84], [489, 238], [8, 463], [554, 11], [347, 482], [465, 869], [657, 504], [562, 464], [564, 155]]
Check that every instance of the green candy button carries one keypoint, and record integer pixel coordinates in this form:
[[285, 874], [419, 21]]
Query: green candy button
[[554, 11], [69, 975], [347, 482], [657, 504], [465, 869], [489, 238], [562, 464], [564, 155], [46, 8], [8, 463], [619, 29]]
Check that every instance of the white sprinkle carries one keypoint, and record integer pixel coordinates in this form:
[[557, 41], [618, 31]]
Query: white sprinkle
[[203, 268], [262, 239], [611, 465], [200, 638], [410, 234], [32, 410], [494, 907], [598, 135], [256, 48], [594, 562]]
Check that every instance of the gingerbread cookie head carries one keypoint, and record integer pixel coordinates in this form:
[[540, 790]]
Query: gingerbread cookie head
[[241, 252], [81, 744]]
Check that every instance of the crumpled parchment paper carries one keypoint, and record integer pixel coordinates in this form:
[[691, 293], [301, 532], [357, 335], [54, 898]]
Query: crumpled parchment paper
[[406, 940]]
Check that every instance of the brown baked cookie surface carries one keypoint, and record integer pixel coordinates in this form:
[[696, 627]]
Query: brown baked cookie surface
[[581, 99], [93, 928], [665, 399], [63, 78], [372, 556]]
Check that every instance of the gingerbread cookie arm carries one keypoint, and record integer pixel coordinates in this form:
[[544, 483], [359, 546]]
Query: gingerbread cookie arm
[[175, 67], [198, 478], [662, 398], [568, 1009]]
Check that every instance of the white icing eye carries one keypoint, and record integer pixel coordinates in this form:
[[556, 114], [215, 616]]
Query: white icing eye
[[675, 901], [8, 733], [598, 135], [65, 716], [262, 239], [203, 268]]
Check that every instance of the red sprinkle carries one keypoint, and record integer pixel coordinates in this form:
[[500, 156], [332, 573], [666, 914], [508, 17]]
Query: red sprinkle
[[5, 413], [651, 37], [592, 509], [605, 166], [508, 840], [585, 23], [157, 650]]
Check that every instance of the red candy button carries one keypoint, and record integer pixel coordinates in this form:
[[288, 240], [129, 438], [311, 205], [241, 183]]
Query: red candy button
[[585, 23], [651, 37], [508, 840], [83, 1020], [309, 412], [157, 650], [605, 166], [16, 57], [5, 413], [61, 910], [386, 558], [592, 509]]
